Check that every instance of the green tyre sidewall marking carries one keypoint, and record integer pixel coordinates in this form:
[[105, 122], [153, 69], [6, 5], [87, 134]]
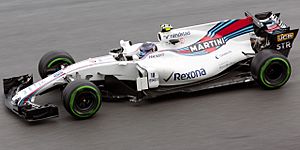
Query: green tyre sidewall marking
[[58, 59], [91, 112], [266, 64]]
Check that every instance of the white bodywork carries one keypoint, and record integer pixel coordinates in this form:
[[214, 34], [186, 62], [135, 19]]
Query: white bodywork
[[164, 67]]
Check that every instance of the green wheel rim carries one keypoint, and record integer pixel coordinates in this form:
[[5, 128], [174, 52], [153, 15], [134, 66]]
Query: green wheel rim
[[263, 72], [57, 60], [92, 111]]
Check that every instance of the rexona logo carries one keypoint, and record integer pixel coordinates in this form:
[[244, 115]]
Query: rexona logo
[[189, 75], [177, 35], [284, 37], [207, 44]]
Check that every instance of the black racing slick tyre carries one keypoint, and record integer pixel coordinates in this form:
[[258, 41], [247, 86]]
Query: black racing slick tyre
[[52, 62], [82, 99], [270, 69]]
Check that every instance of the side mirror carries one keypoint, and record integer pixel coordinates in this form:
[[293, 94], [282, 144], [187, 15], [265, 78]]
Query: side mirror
[[125, 43]]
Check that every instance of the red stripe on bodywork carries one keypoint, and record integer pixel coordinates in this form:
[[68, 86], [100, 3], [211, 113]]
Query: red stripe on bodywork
[[235, 26]]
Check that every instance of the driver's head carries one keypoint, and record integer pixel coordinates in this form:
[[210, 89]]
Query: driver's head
[[146, 48]]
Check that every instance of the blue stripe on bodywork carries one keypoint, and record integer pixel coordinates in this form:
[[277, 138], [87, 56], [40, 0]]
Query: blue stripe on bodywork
[[210, 32], [240, 32], [223, 26]]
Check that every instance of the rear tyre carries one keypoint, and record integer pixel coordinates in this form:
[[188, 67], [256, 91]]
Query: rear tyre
[[82, 99], [52, 62], [270, 69]]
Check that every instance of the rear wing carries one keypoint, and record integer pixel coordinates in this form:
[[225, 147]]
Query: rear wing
[[255, 20], [278, 35]]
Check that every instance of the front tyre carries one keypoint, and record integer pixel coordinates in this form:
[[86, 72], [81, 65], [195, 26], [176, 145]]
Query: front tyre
[[82, 99], [52, 61], [270, 69]]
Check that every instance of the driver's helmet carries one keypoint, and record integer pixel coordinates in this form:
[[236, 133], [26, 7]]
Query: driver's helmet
[[146, 48]]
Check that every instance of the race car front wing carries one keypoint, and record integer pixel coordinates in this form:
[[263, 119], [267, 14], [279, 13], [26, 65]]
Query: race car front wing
[[29, 110]]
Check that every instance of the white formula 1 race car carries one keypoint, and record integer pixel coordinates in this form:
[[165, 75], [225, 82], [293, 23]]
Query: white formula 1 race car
[[186, 59]]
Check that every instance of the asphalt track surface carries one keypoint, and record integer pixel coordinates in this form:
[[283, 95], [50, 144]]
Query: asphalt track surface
[[227, 119]]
